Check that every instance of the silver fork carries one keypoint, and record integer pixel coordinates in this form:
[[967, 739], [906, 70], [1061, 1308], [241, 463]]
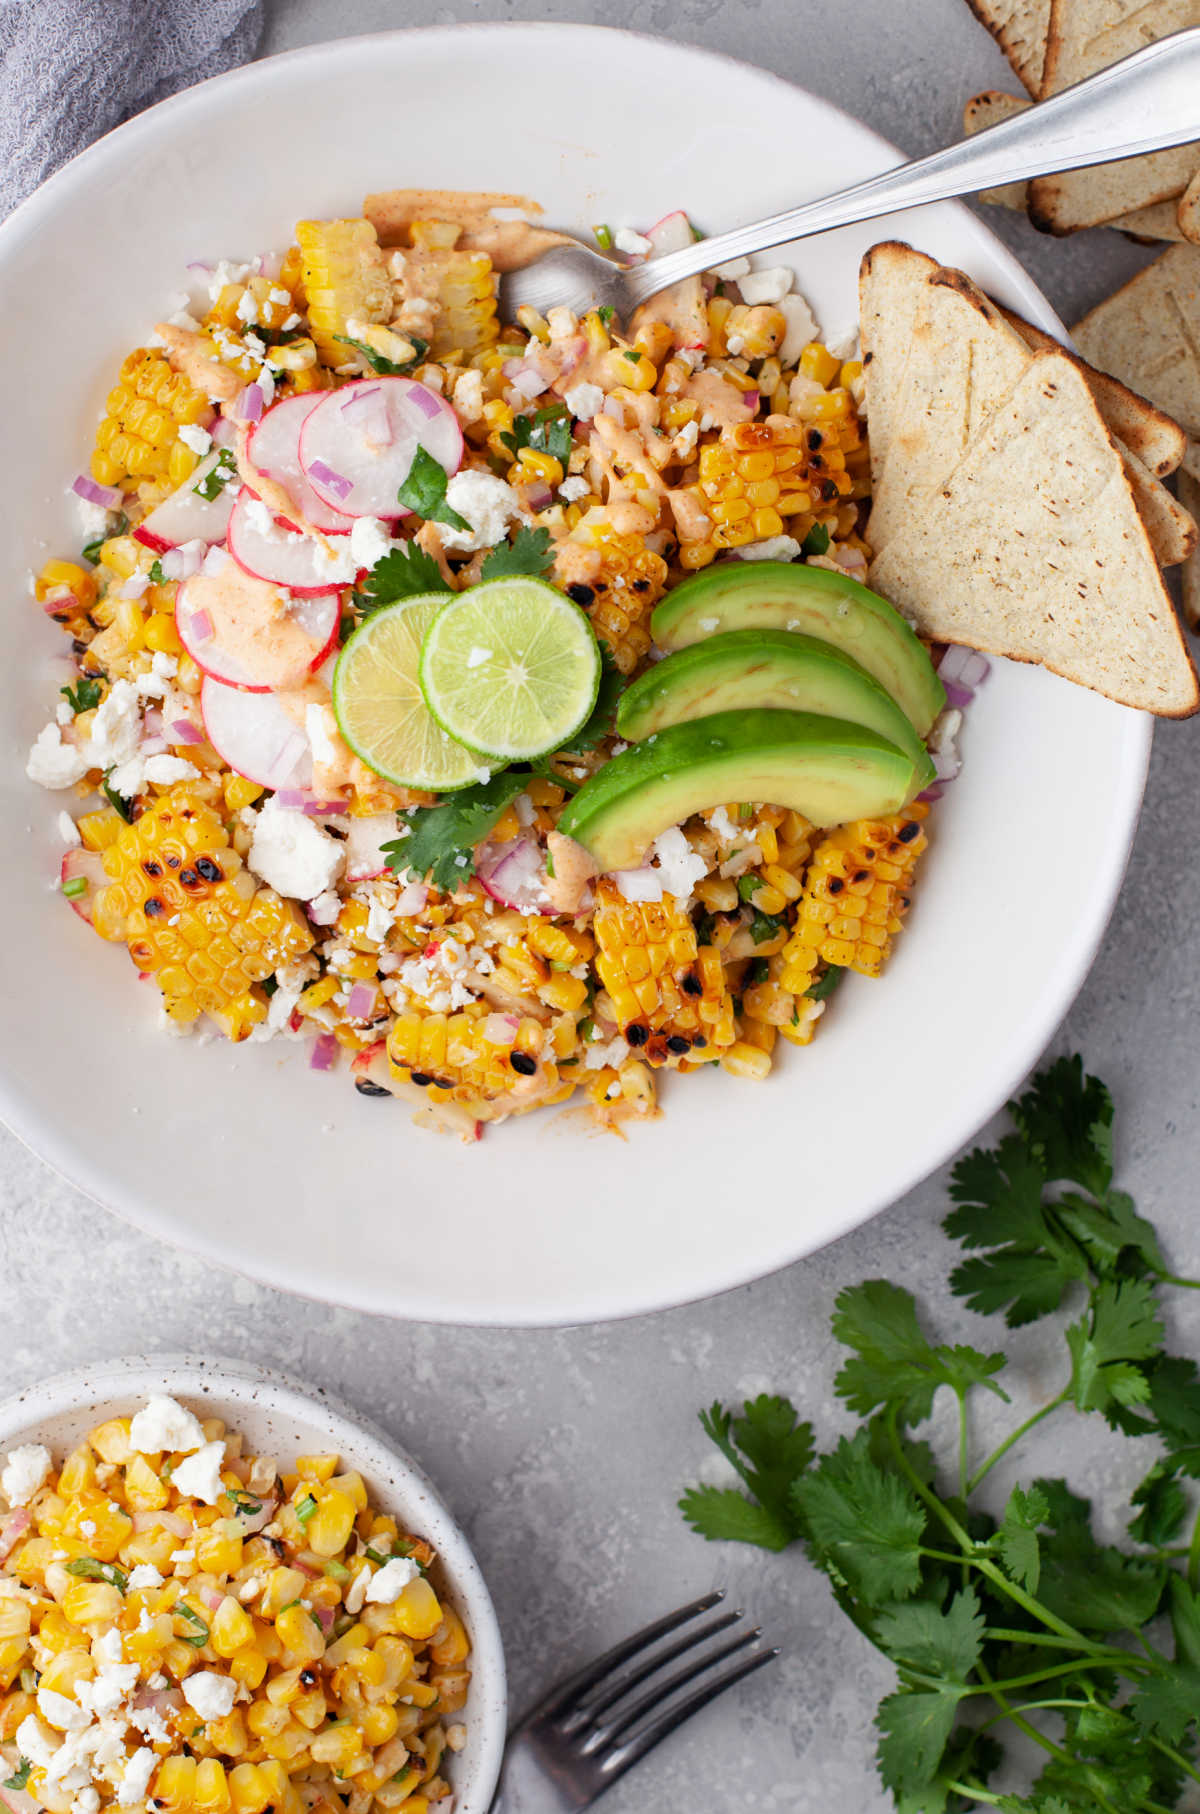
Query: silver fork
[[588, 1731], [1147, 102]]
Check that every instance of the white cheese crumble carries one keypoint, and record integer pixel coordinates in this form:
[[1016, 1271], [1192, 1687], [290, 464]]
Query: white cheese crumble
[[68, 831], [635, 244], [26, 1471], [93, 519], [769, 286], [584, 401], [370, 540], [135, 1778], [488, 505], [195, 437], [774, 548], [679, 865], [144, 1574], [293, 855], [53, 763], [801, 328], [104, 1694], [164, 1426], [59, 1710], [210, 1695], [389, 1583], [574, 488], [199, 1477]]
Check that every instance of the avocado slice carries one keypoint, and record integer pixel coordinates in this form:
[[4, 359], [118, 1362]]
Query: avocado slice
[[744, 669], [826, 769], [782, 595]]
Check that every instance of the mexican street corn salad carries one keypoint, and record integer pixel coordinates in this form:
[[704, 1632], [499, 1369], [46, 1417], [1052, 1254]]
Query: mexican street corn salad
[[498, 704], [188, 1628]]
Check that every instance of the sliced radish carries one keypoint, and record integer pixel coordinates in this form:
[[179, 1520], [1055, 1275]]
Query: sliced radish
[[83, 866], [681, 306], [274, 450], [256, 735], [673, 233], [267, 549], [248, 633], [347, 454], [187, 516], [514, 873], [364, 857]]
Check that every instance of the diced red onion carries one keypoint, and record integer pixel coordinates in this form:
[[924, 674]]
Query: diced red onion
[[290, 796], [19, 1801], [933, 792], [751, 399], [182, 730], [153, 722], [539, 496], [202, 626], [325, 475], [325, 809], [966, 667], [946, 764], [223, 432], [86, 488], [514, 873], [183, 561], [360, 1003], [248, 404], [639, 884], [529, 381], [412, 898], [323, 1053], [958, 695], [326, 914], [212, 1599], [366, 408], [425, 401], [324, 1615], [247, 1527], [572, 354], [59, 598]]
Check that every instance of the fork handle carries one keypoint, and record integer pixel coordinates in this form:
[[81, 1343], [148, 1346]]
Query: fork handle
[[1147, 102]]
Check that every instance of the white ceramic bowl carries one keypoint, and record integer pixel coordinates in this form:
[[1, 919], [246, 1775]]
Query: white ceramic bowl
[[244, 1155], [277, 1417]]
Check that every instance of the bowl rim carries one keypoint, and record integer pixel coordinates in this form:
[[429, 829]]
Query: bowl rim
[[972, 1111], [391, 1472]]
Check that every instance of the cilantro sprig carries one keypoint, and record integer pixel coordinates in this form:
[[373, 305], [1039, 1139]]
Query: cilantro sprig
[[83, 697], [1013, 1615], [379, 362], [20, 1775], [88, 1569], [424, 492], [546, 431], [441, 839], [223, 468]]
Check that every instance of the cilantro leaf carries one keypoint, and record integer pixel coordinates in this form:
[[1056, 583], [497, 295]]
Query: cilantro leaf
[[88, 1569], [1185, 1620], [214, 481], [825, 985], [1168, 1701], [999, 1194], [117, 801], [1174, 1405], [816, 541], [20, 1775], [863, 1526], [547, 431], [893, 1362], [915, 1725], [405, 571], [1163, 1507], [424, 492], [1115, 1238], [529, 552], [1121, 1326], [722, 1514], [1065, 1118], [921, 1635], [439, 836], [1016, 1540], [91, 550], [380, 363], [83, 697], [770, 1449]]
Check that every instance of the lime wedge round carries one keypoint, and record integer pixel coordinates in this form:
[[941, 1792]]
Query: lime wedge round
[[511, 668], [379, 708]]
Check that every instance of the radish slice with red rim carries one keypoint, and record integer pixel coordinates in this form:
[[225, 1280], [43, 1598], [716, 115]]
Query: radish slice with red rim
[[231, 626], [347, 456], [274, 450], [256, 735], [514, 873], [268, 549], [187, 515], [364, 838]]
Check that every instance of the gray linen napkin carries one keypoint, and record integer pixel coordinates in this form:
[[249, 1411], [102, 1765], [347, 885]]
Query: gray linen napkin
[[70, 70]]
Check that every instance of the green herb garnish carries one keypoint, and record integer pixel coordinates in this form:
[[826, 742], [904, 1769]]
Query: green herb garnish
[[377, 1556], [75, 887], [424, 492], [816, 541], [440, 835], [757, 971], [603, 237], [825, 985], [306, 1508], [218, 476], [199, 1638], [157, 576], [244, 1505], [117, 801], [88, 1569], [337, 1571], [547, 431], [605, 312], [766, 926], [530, 552], [404, 572], [20, 1775], [91, 550], [634, 357], [378, 362], [83, 697], [748, 886], [1016, 1614]]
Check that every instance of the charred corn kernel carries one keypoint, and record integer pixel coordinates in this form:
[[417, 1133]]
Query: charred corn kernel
[[231, 1628], [175, 1785], [630, 369], [248, 1666], [670, 998], [316, 1467], [139, 433], [193, 917], [456, 1058], [782, 881], [418, 1612], [97, 830], [329, 1528], [461, 283], [189, 678], [532, 466], [161, 635], [229, 1736], [753, 333], [856, 892], [753, 478], [566, 993], [78, 1473], [211, 1793], [617, 581], [64, 1670], [91, 1603], [353, 1639], [345, 276], [560, 944], [145, 1491]]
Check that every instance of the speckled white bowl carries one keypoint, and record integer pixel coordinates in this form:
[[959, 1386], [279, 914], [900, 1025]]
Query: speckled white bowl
[[245, 1155], [277, 1417]]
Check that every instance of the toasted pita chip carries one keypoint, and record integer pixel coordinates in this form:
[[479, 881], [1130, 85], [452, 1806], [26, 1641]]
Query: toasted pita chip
[[1189, 497], [1085, 36], [1148, 336], [890, 281], [1187, 211], [1191, 461], [1033, 549], [1169, 524], [962, 363], [1020, 28], [1152, 436]]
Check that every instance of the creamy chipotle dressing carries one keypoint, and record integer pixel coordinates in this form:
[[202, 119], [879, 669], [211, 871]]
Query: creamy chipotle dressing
[[252, 623], [508, 243]]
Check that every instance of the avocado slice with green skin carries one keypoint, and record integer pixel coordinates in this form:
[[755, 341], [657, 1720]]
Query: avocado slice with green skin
[[745, 669], [784, 595], [826, 769]]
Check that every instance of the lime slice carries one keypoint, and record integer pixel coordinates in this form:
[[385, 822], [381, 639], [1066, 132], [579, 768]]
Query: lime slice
[[510, 667], [378, 705]]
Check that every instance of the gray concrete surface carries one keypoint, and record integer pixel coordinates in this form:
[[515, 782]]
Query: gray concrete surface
[[563, 1453]]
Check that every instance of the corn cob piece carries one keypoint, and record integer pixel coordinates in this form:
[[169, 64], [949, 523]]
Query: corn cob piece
[[856, 893], [474, 1057], [193, 917], [462, 283], [669, 995], [344, 275], [618, 581], [138, 436]]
